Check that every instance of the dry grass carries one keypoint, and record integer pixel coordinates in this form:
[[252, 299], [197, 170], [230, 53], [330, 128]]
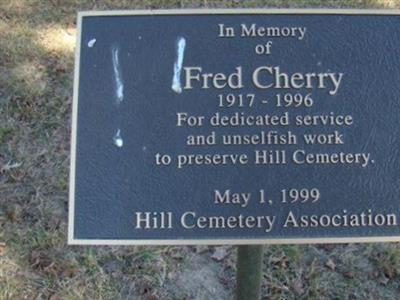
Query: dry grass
[[36, 66]]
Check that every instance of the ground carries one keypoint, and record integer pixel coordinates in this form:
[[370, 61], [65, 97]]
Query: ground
[[37, 40]]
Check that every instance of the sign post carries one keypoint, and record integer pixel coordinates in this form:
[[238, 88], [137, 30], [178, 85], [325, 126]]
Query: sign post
[[249, 272], [242, 127]]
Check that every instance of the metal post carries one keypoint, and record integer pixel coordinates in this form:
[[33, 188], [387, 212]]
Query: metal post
[[249, 270]]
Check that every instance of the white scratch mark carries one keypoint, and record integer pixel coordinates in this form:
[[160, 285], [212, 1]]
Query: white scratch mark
[[91, 43], [118, 141], [176, 80], [119, 86]]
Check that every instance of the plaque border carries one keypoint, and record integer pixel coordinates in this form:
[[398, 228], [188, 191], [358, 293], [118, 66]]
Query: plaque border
[[215, 241]]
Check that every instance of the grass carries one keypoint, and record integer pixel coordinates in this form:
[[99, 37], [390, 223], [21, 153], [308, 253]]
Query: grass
[[36, 66]]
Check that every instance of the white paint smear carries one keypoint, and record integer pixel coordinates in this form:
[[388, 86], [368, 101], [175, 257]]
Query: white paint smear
[[119, 86], [118, 141], [176, 80], [91, 43]]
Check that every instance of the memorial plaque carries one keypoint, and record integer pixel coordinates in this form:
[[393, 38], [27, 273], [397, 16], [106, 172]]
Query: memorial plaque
[[236, 127]]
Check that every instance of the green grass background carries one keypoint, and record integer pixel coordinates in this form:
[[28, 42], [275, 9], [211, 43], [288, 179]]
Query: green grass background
[[37, 40]]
